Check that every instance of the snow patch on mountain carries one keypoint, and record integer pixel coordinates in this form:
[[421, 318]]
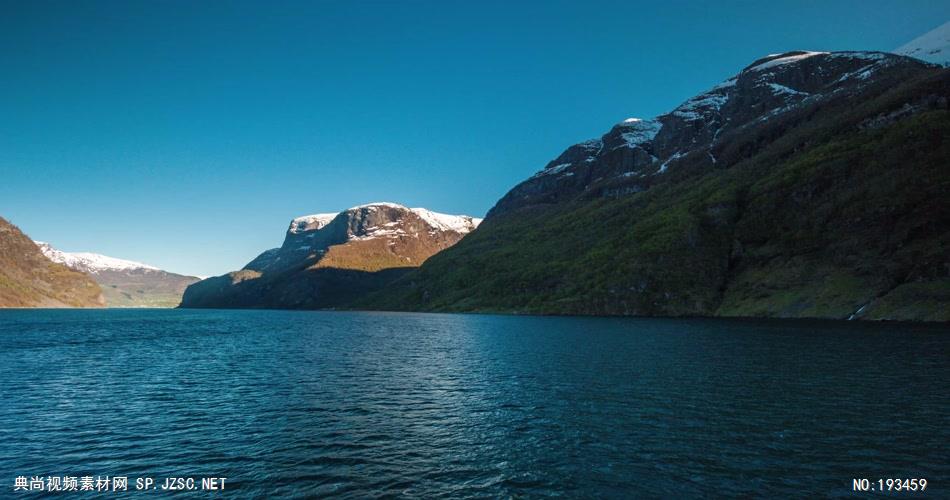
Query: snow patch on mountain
[[556, 169], [780, 61], [782, 89], [675, 156], [696, 108], [459, 223], [933, 46], [462, 224], [310, 222], [377, 204], [90, 262], [638, 131], [386, 230]]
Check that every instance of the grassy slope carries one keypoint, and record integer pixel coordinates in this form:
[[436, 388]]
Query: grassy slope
[[821, 220], [29, 279], [137, 291]]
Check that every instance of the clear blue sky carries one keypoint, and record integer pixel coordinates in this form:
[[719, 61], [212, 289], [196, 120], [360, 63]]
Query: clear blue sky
[[188, 134]]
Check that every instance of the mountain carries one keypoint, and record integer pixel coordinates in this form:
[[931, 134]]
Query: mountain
[[29, 279], [125, 283], [328, 260], [810, 184], [933, 46]]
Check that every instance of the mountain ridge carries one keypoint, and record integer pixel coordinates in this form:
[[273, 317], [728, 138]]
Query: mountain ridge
[[772, 194], [637, 152]]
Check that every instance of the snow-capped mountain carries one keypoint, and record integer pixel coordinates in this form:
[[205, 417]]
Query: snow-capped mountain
[[124, 283], [933, 46], [91, 263], [810, 184], [326, 257], [310, 222], [637, 153], [458, 223], [311, 234], [807, 185]]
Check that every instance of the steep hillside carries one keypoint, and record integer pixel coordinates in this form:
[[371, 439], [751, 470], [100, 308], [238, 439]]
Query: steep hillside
[[29, 279], [809, 185], [329, 260], [125, 283]]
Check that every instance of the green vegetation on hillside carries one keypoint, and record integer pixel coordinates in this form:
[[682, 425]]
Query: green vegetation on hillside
[[29, 279], [815, 215]]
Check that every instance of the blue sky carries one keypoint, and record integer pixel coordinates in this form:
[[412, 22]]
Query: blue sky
[[188, 134]]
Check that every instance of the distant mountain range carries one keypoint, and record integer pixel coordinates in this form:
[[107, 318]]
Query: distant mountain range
[[125, 283], [29, 279], [331, 259]]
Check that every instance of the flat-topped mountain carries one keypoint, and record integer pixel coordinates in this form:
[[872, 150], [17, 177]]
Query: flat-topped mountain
[[125, 283], [327, 260], [29, 279], [810, 184]]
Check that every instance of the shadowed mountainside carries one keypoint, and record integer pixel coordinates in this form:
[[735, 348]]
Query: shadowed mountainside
[[810, 185]]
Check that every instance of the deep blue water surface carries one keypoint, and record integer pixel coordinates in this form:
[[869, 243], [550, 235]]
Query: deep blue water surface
[[371, 404]]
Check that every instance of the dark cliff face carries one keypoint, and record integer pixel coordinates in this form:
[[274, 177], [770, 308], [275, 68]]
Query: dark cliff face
[[29, 279], [636, 154], [327, 260], [810, 185]]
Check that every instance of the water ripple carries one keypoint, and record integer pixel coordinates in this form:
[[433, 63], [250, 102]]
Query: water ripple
[[365, 405]]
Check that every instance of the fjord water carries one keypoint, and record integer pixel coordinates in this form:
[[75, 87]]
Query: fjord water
[[366, 404]]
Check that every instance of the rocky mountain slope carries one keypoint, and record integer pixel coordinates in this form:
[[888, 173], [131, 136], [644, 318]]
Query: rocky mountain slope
[[29, 279], [125, 283], [811, 184], [328, 260]]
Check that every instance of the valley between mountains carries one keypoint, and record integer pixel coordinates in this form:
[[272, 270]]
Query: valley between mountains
[[808, 185]]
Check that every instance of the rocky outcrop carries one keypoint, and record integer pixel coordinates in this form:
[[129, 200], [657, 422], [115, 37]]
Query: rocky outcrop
[[29, 279]]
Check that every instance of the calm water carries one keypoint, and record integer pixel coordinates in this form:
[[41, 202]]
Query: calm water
[[371, 404]]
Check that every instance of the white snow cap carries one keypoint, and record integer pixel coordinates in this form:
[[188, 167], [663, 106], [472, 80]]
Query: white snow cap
[[378, 204], [443, 222], [785, 60], [315, 221], [90, 262], [933, 46], [458, 223]]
